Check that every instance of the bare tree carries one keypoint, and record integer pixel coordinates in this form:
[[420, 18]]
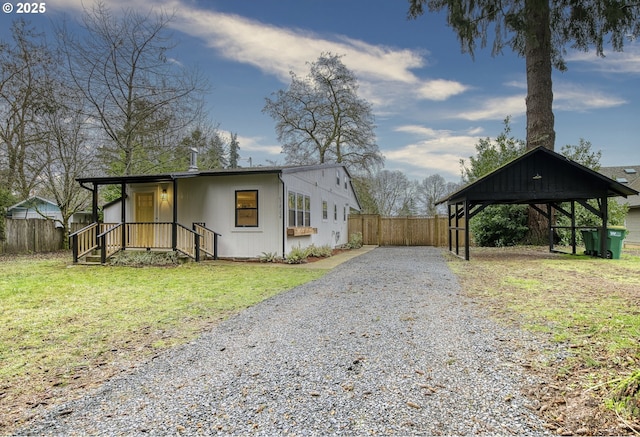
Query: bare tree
[[430, 190], [25, 64], [134, 90], [392, 193], [67, 154], [320, 118]]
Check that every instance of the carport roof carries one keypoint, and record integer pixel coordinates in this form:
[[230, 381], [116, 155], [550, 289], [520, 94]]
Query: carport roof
[[539, 176]]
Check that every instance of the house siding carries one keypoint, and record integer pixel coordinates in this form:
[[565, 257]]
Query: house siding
[[322, 185], [633, 226], [211, 199]]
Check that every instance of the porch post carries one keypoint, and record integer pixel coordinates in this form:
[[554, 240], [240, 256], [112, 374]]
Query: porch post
[[123, 214], [94, 218], [174, 224], [94, 203]]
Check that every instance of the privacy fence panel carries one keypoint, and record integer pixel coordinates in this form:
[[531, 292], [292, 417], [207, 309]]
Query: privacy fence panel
[[400, 231], [30, 236]]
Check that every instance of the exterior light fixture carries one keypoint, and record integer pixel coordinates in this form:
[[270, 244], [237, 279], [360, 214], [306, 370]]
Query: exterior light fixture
[[537, 177], [163, 195]]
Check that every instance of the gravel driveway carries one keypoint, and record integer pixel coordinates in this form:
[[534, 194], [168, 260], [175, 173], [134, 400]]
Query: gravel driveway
[[382, 344]]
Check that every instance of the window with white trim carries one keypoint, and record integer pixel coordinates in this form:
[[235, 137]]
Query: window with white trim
[[299, 210]]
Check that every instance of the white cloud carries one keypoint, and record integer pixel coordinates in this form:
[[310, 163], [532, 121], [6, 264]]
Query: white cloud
[[440, 89], [440, 152], [252, 144], [626, 62], [573, 97], [384, 72], [497, 108]]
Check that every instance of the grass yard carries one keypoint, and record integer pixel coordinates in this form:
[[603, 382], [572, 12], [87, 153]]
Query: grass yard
[[66, 328], [591, 307]]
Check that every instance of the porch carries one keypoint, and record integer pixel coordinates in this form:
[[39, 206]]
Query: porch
[[107, 239]]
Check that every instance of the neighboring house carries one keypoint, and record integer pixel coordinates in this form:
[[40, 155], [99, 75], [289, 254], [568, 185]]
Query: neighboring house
[[254, 210], [34, 208], [37, 207], [628, 175]]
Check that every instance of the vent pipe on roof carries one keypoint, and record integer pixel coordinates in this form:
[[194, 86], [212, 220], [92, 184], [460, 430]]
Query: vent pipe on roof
[[193, 164]]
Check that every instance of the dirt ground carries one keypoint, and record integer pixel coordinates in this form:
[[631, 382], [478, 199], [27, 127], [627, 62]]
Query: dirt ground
[[570, 399]]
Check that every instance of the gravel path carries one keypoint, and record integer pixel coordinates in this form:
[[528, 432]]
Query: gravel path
[[382, 344]]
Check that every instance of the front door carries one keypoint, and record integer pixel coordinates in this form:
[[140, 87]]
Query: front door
[[144, 218]]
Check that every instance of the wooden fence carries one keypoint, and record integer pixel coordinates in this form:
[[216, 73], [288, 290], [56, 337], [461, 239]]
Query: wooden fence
[[30, 236], [400, 231]]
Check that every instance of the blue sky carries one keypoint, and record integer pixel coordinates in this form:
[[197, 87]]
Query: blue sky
[[431, 102]]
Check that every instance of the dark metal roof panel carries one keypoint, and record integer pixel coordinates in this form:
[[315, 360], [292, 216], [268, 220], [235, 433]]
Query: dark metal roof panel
[[540, 175]]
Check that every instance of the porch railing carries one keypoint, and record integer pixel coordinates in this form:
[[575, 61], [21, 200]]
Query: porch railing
[[113, 237], [188, 242], [110, 241], [84, 241], [209, 240]]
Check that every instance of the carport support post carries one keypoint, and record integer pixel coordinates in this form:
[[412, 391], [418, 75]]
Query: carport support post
[[604, 211], [466, 230], [550, 221], [573, 226]]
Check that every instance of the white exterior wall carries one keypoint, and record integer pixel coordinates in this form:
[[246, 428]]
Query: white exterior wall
[[211, 199], [633, 226], [321, 185]]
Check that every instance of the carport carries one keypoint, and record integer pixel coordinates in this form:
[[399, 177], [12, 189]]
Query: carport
[[542, 179]]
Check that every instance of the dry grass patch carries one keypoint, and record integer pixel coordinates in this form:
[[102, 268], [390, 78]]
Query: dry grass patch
[[589, 306], [64, 328]]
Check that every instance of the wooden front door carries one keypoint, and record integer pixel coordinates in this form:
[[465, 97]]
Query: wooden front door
[[144, 218]]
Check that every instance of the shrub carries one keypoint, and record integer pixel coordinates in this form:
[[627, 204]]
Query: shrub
[[297, 255], [319, 252], [500, 225], [269, 257], [355, 241], [146, 258]]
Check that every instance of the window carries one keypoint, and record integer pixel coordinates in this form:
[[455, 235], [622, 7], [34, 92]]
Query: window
[[246, 208], [325, 210], [335, 212], [338, 177], [299, 210], [344, 214]]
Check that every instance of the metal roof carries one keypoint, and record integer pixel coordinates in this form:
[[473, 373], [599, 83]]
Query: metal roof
[[112, 180], [539, 176]]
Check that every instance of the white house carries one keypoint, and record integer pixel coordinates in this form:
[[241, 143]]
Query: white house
[[247, 211]]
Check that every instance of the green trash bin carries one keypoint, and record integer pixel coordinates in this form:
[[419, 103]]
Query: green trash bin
[[615, 237], [591, 241]]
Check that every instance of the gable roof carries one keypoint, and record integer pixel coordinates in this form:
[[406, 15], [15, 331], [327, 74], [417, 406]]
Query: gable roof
[[540, 176], [28, 203], [110, 180]]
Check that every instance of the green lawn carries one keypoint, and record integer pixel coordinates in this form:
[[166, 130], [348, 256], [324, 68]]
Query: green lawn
[[65, 326]]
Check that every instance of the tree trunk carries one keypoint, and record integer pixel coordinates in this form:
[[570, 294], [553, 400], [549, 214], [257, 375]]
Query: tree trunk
[[540, 119]]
